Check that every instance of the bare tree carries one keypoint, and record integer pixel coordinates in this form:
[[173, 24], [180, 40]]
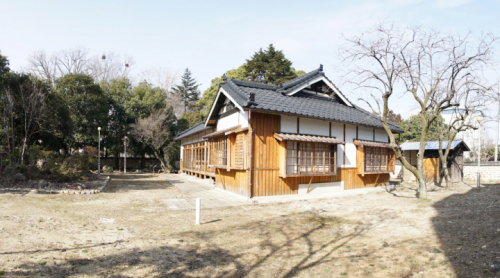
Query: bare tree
[[8, 121], [463, 118], [433, 68], [155, 132], [25, 104], [77, 61], [109, 66]]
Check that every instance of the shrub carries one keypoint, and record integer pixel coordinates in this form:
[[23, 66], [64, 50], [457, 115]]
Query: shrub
[[107, 169]]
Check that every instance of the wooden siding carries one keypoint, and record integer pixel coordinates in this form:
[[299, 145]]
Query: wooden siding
[[233, 181], [431, 169], [266, 161]]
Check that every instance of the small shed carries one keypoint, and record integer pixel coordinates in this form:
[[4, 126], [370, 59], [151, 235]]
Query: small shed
[[432, 164]]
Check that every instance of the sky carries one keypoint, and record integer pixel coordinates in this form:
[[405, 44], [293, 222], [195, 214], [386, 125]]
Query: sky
[[211, 37]]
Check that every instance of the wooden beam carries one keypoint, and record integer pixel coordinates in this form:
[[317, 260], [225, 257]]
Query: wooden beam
[[298, 125]]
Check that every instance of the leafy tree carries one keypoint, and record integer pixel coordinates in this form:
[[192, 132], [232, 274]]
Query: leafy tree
[[269, 66], [4, 65], [144, 99], [189, 119], [413, 129], [87, 105], [187, 91], [210, 93]]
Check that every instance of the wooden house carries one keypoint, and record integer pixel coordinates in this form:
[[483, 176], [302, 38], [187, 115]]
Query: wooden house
[[294, 138], [432, 165]]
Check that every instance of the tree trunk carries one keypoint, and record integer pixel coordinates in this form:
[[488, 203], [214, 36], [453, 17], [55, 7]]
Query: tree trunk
[[23, 151], [160, 158], [422, 187]]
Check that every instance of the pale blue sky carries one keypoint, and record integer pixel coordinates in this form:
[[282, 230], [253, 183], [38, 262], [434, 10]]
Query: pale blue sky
[[210, 37]]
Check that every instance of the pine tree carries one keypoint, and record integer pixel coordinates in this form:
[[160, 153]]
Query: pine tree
[[187, 91], [269, 66]]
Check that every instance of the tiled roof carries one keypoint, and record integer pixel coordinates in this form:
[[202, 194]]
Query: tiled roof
[[307, 138], [432, 145], [270, 98], [192, 130]]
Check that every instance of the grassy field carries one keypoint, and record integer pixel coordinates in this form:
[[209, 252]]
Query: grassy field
[[128, 231]]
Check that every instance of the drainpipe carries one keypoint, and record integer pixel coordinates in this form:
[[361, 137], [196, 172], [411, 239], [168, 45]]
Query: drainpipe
[[250, 148]]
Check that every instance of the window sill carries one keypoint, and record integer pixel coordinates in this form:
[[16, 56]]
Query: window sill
[[293, 175], [376, 172]]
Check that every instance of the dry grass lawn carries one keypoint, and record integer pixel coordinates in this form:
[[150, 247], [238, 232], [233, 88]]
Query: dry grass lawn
[[455, 233]]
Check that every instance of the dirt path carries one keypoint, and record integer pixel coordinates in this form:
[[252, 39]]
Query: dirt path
[[128, 231]]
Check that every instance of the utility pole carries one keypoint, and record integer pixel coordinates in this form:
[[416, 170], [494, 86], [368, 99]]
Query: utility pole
[[479, 156], [99, 152], [498, 122], [125, 155]]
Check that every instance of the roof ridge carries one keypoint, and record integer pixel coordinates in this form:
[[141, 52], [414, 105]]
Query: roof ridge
[[253, 84], [236, 89]]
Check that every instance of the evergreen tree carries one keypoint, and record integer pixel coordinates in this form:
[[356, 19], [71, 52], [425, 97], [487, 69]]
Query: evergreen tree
[[413, 129], [187, 91], [269, 66]]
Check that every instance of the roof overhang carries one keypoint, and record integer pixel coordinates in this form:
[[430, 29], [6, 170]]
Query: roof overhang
[[374, 144], [307, 138], [221, 132]]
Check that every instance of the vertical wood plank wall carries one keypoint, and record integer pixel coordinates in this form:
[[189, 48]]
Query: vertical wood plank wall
[[233, 181], [266, 179]]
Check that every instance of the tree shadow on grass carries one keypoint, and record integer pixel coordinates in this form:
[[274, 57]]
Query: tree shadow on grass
[[468, 227], [285, 246]]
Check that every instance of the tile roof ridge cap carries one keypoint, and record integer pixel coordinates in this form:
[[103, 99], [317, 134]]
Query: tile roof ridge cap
[[252, 84]]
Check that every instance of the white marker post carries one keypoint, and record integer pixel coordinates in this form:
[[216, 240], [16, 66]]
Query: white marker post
[[198, 210]]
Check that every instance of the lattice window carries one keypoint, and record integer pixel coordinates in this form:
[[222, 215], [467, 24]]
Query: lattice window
[[218, 151], [238, 151], [379, 159], [310, 158]]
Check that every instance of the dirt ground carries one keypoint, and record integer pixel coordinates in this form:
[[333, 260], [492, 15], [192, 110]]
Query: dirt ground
[[127, 231]]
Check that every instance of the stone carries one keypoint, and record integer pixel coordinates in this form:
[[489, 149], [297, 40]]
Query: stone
[[20, 177], [79, 188], [42, 183]]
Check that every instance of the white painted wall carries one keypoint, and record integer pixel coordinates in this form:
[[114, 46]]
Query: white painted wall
[[288, 124], [338, 132], [312, 126], [365, 133], [350, 148], [381, 135], [228, 121], [240, 118]]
